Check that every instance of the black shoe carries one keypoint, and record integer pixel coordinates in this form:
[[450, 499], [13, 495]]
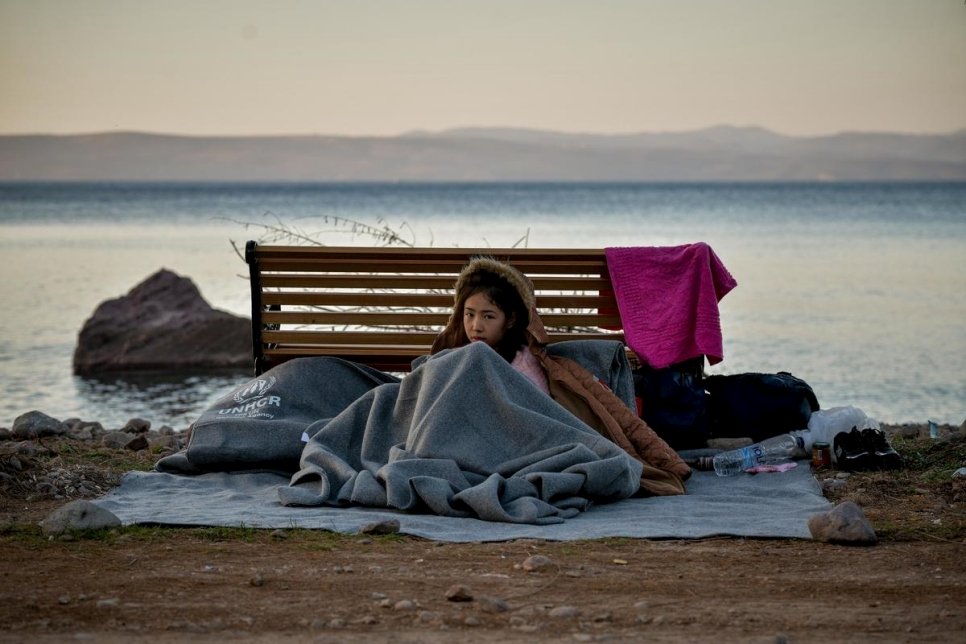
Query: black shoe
[[883, 456], [851, 453]]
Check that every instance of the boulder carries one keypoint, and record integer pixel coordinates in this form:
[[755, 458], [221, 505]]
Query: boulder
[[844, 524], [162, 324], [36, 424], [78, 515]]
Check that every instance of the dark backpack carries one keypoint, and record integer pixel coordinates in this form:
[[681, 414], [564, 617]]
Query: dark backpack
[[674, 403], [758, 405]]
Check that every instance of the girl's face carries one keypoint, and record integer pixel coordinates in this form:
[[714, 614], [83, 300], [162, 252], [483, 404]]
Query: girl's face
[[483, 320]]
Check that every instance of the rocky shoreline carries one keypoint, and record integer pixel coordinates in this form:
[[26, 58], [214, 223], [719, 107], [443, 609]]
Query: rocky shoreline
[[31, 449]]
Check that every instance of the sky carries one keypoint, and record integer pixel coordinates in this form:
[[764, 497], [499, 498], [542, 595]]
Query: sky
[[381, 67]]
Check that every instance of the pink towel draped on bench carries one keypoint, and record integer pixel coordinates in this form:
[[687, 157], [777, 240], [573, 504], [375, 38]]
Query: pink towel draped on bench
[[668, 301]]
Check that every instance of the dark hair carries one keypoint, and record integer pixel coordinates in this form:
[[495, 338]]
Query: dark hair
[[503, 294]]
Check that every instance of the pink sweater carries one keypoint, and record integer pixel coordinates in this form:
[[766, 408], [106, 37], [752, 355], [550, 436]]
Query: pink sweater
[[527, 364]]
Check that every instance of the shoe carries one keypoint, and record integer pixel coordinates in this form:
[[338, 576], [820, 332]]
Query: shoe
[[851, 453], [883, 456]]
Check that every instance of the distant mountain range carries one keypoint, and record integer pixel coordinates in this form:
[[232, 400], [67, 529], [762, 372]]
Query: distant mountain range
[[721, 153]]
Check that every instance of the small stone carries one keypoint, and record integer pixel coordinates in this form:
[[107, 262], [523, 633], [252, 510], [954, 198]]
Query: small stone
[[78, 515], [459, 593], [63, 600], [561, 612], [390, 526], [257, 580], [833, 485], [336, 623], [472, 620], [279, 534], [536, 563], [138, 443], [428, 616], [405, 604], [108, 603], [492, 605], [116, 440], [136, 426], [843, 524]]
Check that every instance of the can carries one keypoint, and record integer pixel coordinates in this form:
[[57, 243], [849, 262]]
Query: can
[[821, 456]]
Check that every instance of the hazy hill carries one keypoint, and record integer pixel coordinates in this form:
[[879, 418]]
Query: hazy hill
[[487, 154]]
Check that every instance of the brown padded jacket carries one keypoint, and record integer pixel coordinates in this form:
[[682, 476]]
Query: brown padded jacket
[[578, 391]]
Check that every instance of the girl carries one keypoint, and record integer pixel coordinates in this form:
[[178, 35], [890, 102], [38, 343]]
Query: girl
[[494, 303]]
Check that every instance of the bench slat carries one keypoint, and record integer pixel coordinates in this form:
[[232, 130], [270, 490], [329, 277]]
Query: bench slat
[[308, 339], [422, 282], [406, 319], [402, 300]]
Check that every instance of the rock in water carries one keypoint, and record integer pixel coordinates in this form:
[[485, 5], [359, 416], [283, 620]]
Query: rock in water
[[162, 324]]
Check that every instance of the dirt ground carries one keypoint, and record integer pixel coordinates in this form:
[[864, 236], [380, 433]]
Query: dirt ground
[[211, 584]]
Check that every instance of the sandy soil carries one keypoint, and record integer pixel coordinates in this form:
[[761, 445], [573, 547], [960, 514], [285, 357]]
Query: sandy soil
[[174, 585]]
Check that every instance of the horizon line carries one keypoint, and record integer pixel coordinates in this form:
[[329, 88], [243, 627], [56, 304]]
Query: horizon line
[[415, 133]]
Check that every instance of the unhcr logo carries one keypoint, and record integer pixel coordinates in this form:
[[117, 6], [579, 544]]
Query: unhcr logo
[[254, 389]]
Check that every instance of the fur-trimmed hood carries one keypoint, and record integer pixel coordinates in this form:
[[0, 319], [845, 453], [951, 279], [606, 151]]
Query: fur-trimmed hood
[[520, 282]]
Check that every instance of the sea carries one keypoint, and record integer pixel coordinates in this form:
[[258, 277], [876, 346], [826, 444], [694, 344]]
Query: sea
[[857, 288]]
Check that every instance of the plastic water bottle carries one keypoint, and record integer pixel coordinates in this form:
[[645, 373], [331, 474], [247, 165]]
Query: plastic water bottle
[[771, 450]]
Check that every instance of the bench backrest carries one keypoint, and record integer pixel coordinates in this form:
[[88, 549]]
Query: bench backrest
[[383, 306]]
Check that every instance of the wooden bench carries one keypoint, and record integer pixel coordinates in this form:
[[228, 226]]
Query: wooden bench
[[383, 306]]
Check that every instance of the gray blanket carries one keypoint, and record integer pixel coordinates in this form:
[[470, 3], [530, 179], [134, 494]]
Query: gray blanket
[[464, 435], [765, 506]]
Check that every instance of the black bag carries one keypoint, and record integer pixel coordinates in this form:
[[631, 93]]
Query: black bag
[[674, 403], [758, 405]]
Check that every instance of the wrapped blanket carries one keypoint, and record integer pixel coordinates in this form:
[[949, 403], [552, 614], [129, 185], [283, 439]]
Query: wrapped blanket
[[462, 435]]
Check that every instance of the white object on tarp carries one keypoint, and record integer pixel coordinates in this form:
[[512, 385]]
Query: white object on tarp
[[825, 424]]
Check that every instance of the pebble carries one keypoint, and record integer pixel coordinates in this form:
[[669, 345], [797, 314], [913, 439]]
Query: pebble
[[405, 604], [536, 563], [390, 526], [562, 612], [493, 605], [459, 593]]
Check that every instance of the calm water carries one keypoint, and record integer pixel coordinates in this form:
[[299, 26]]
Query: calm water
[[857, 288]]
